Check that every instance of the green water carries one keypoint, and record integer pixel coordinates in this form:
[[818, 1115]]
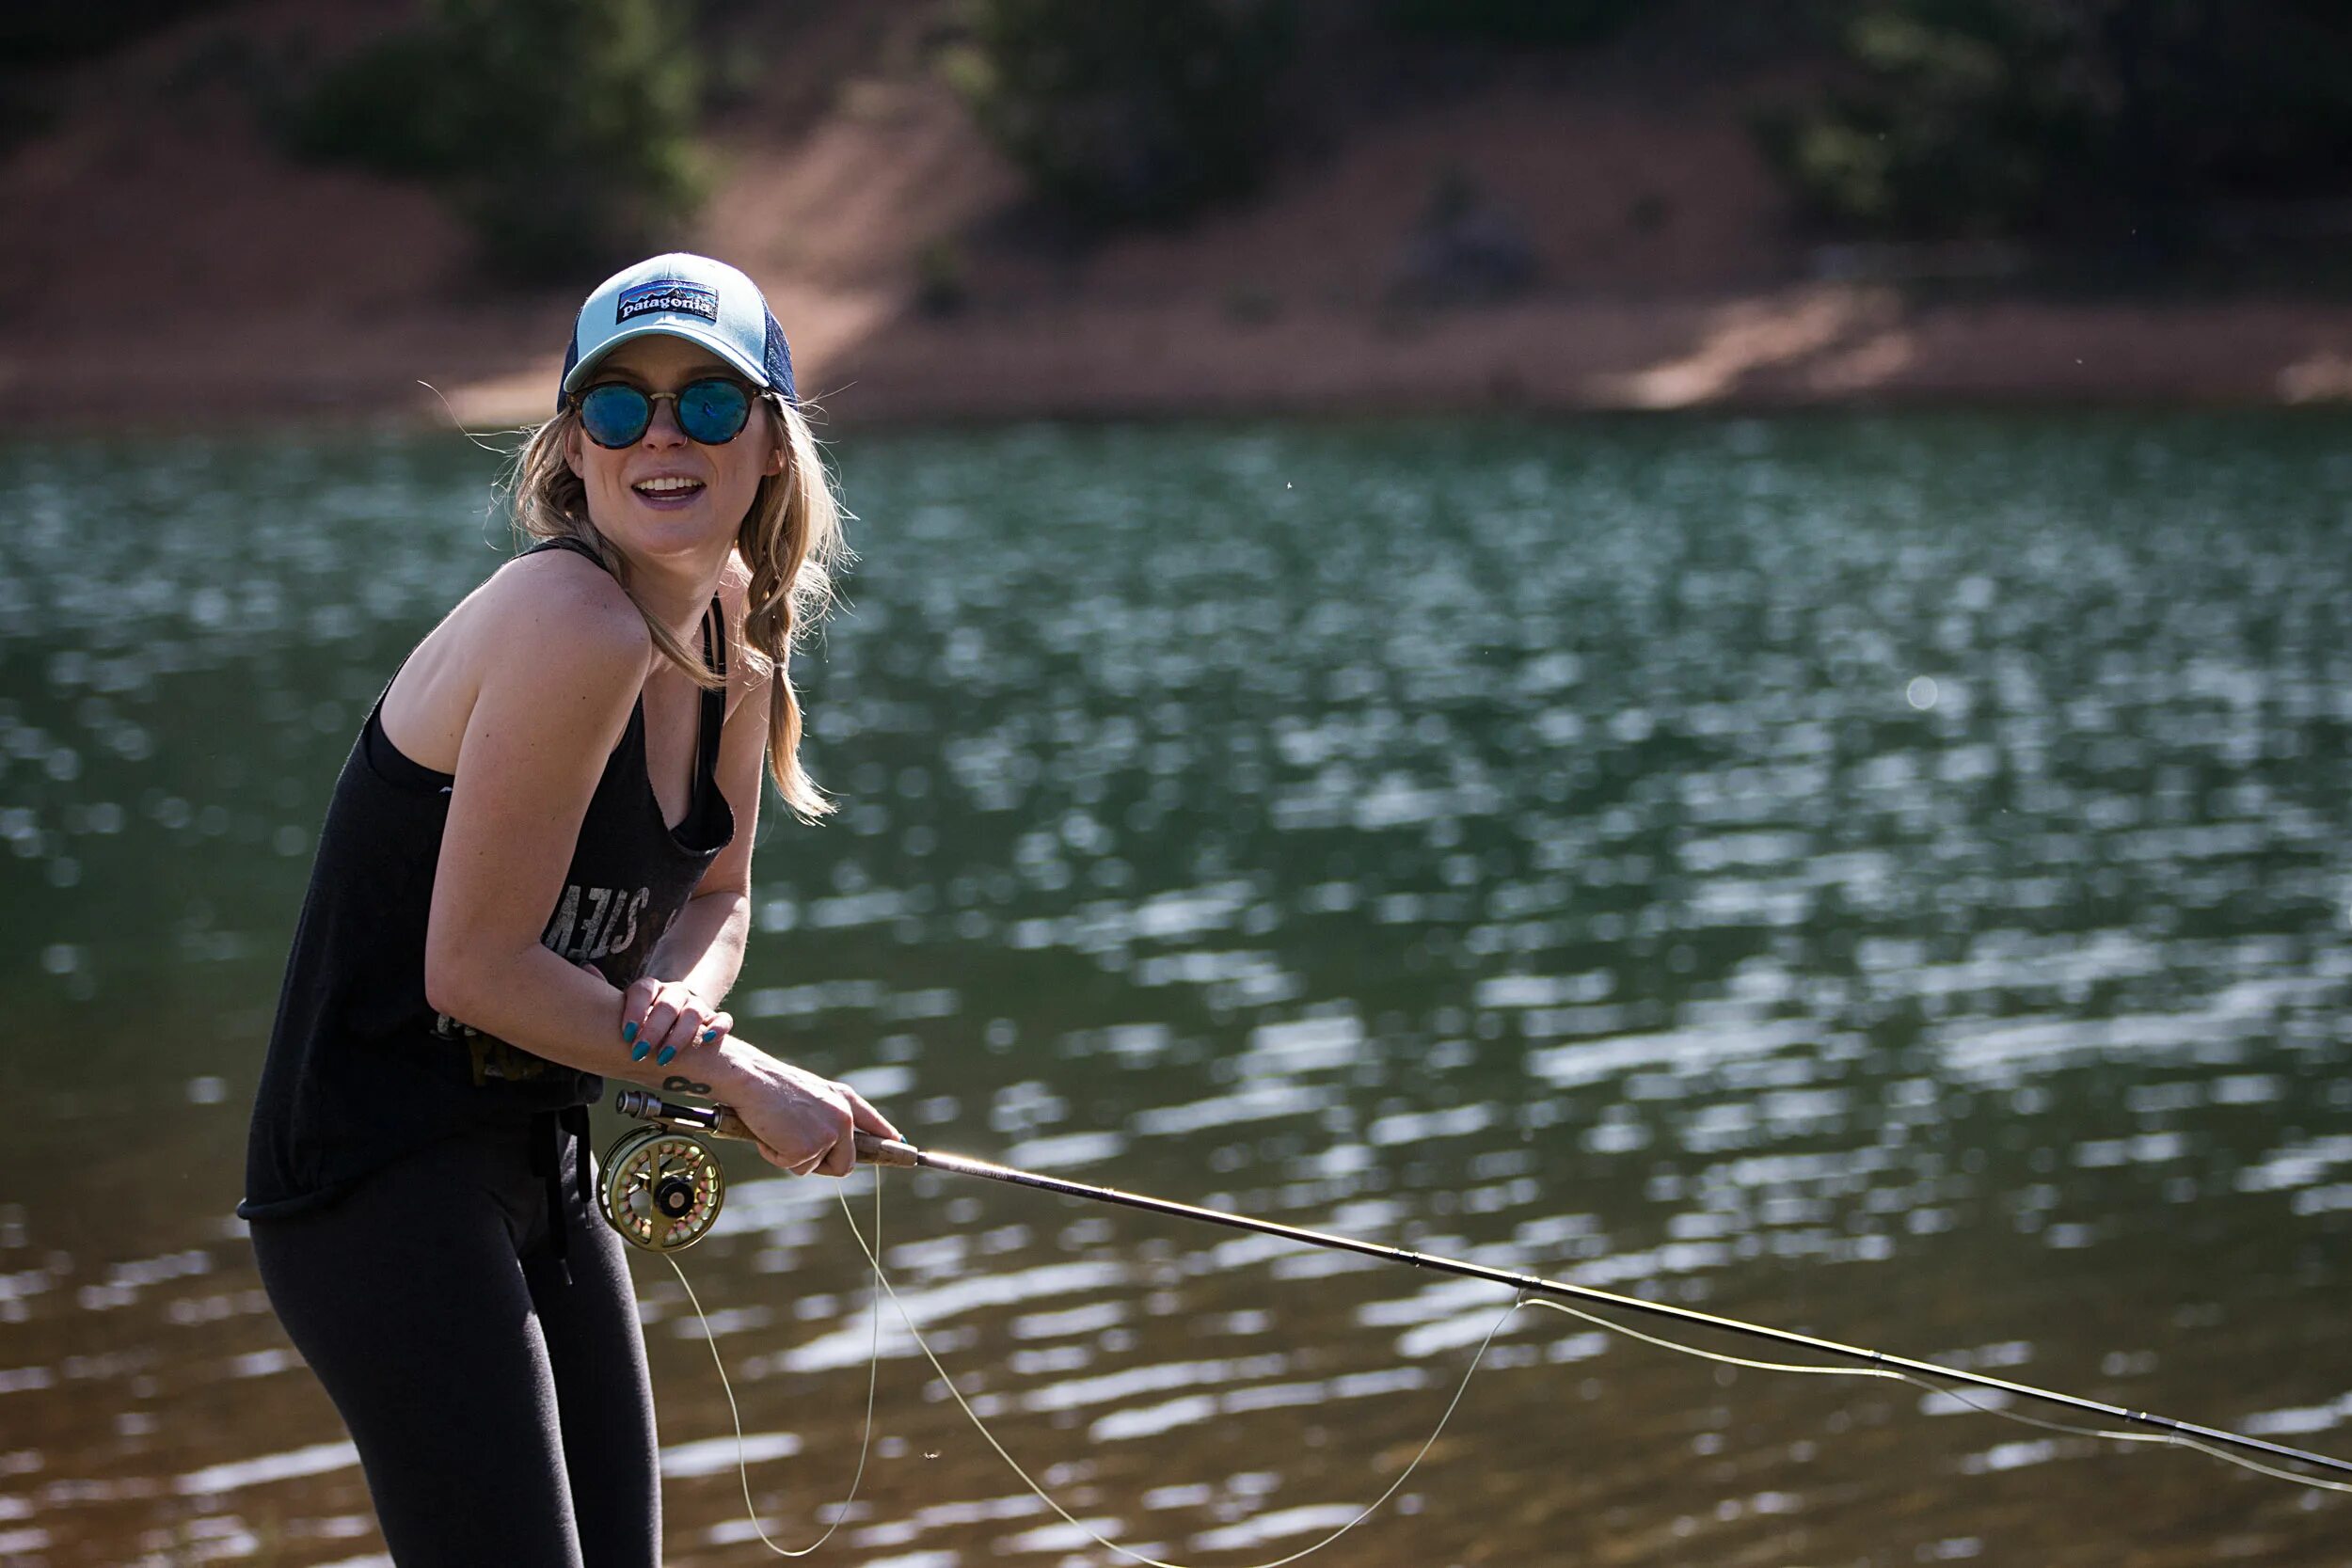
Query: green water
[[1887, 877]]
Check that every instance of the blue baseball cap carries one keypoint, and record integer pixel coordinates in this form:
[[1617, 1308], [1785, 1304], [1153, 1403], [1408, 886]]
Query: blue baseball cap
[[680, 295]]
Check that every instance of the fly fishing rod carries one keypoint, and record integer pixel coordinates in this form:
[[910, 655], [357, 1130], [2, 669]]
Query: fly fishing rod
[[662, 1190]]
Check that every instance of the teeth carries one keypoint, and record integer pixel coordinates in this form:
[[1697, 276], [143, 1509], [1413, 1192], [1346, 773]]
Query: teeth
[[660, 486]]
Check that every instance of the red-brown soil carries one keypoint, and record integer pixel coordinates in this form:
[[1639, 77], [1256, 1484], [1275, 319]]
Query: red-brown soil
[[167, 265]]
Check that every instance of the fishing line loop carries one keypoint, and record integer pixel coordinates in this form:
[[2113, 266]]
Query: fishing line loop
[[1477, 1358], [873, 1374], [1526, 1290]]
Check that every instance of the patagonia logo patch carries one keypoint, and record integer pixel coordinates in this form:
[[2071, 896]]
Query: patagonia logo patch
[[668, 294]]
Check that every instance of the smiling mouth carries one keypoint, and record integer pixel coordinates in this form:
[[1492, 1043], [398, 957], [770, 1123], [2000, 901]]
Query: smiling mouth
[[667, 490]]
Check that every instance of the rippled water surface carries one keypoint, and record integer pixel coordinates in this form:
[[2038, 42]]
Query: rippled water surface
[[1882, 878]]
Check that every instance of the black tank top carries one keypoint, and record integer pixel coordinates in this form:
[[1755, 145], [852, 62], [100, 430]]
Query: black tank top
[[361, 1069]]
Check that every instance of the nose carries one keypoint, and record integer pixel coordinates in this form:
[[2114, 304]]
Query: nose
[[663, 429]]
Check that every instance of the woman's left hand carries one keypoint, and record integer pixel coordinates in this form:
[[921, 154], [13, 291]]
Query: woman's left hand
[[662, 1018]]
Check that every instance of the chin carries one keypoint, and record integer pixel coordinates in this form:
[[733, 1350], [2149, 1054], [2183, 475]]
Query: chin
[[668, 539]]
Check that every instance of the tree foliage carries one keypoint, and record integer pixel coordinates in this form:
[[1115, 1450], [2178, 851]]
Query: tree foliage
[[561, 129], [1517, 22], [1126, 113], [2073, 118]]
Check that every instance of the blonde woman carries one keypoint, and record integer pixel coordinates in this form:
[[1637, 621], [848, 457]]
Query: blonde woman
[[535, 871]]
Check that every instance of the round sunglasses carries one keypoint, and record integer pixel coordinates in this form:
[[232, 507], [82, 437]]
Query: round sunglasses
[[711, 411]]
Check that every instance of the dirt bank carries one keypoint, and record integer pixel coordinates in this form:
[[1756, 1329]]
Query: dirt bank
[[167, 266]]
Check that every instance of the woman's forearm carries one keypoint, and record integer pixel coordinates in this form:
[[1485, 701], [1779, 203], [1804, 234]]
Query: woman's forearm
[[566, 1013], [703, 950]]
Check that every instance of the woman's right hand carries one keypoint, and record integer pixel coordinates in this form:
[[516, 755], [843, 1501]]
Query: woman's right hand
[[804, 1123]]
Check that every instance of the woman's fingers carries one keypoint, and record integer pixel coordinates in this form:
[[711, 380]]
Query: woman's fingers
[[786, 1163], [808, 1130], [864, 1117], [662, 1018], [648, 1011], [635, 1002], [660, 1022], [693, 1028], [841, 1159]]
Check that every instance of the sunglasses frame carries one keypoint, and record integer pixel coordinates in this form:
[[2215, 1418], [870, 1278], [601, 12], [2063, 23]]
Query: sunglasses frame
[[752, 396]]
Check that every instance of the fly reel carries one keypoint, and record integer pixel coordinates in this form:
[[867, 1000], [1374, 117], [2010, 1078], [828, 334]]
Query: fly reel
[[662, 1188], [661, 1185]]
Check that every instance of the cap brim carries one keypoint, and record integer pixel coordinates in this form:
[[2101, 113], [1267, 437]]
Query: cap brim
[[693, 332]]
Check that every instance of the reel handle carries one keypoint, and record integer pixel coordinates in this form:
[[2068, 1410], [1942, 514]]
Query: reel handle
[[720, 1122]]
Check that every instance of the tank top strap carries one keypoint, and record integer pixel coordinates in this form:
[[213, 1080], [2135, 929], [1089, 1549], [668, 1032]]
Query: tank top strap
[[564, 541], [713, 719]]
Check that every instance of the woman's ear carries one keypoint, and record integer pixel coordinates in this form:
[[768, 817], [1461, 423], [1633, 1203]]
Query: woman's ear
[[779, 444], [571, 453]]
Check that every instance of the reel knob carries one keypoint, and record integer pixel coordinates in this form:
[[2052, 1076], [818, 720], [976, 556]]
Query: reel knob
[[661, 1188], [675, 1197]]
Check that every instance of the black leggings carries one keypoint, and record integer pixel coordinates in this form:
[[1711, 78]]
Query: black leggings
[[502, 1414]]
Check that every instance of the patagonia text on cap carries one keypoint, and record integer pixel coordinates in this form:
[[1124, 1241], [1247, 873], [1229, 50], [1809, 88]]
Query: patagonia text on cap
[[680, 295]]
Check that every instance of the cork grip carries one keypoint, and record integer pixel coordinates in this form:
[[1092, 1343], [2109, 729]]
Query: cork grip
[[872, 1151], [720, 1121]]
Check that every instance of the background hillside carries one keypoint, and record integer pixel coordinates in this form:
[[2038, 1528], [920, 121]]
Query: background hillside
[[1517, 213]]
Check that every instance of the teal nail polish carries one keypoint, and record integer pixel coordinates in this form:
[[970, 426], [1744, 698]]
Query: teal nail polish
[[639, 1055], [667, 1051], [709, 1035], [629, 1033]]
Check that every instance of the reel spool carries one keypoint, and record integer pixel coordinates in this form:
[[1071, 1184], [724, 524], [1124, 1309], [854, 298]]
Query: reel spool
[[662, 1188]]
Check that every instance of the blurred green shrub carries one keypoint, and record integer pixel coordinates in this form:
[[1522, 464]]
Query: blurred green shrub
[[1540, 21], [940, 285], [390, 108], [2063, 119], [1124, 113], [562, 129]]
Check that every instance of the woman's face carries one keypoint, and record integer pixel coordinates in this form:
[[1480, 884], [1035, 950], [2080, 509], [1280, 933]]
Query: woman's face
[[667, 496]]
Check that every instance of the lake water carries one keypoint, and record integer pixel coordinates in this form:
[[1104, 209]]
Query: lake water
[[1888, 877]]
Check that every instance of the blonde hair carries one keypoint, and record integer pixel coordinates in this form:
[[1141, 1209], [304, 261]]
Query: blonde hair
[[790, 540]]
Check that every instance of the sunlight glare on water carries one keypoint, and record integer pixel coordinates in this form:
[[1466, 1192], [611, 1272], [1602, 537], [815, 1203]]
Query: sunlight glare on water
[[1885, 877]]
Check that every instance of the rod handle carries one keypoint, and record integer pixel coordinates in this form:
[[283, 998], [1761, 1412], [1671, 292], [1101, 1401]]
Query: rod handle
[[873, 1151], [720, 1121]]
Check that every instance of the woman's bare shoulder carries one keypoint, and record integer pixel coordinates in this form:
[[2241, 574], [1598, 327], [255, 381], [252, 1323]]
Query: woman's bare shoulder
[[554, 620], [556, 602]]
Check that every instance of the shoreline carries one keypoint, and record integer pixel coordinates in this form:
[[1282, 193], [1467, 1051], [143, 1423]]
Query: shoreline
[[877, 363]]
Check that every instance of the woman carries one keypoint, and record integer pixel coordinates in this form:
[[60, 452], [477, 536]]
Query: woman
[[535, 870]]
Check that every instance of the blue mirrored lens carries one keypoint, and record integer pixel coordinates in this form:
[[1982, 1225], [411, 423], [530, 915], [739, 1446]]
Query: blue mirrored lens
[[615, 414], [713, 412]]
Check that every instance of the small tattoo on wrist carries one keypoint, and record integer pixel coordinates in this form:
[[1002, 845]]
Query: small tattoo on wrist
[[678, 1083]]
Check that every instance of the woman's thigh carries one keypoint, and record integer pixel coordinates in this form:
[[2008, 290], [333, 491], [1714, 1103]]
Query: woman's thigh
[[409, 1302], [597, 1354]]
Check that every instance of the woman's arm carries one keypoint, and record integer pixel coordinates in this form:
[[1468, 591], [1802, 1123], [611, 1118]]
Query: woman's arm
[[676, 1006], [562, 656]]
